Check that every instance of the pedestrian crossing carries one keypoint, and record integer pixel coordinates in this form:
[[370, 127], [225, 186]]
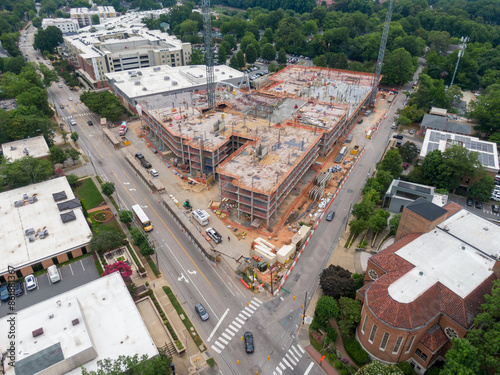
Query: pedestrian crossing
[[238, 322], [289, 360], [77, 115]]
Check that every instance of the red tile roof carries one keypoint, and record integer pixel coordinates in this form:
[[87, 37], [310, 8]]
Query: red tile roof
[[434, 338], [436, 300]]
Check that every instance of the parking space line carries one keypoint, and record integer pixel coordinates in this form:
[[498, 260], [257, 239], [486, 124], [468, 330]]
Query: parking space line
[[83, 266], [71, 269]]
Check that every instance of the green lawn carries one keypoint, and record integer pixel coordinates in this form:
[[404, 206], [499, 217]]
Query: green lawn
[[90, 194]]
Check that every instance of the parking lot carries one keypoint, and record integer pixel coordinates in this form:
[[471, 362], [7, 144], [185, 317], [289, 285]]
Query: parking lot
[[72, 275]]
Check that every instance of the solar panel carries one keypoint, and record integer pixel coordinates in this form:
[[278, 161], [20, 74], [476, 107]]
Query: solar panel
[[422, 189]]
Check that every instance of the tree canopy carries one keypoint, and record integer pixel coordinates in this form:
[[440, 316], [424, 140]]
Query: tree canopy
[[48, 39], [104, 103], [336, 282], [132, 366]]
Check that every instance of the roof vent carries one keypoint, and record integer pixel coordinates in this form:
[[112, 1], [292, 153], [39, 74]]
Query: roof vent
[[43, 233], [12, 148], [166, 78], [446, 228], [51, 316], [156, 68], [144, 89], [485, 228], [137, 83], [18, 203], [33, 199], [25, 196], [75, 321], [421, 273], [222, 72], [26, 151], [175, 83], [230, 76], [31, 238], [29, 232], [463, 247], [37, 332]]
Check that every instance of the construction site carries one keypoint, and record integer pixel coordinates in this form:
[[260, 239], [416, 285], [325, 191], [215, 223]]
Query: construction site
[[262, 149]]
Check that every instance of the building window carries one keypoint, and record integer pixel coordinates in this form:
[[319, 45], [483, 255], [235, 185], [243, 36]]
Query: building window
[[424, 357], [373, 274], [372, 333], [410, 343], [364, 324], [385, 339], [397, 345], [450, 333], [418, 352]]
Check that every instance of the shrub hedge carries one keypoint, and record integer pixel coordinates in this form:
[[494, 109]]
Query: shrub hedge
[[356, 352]]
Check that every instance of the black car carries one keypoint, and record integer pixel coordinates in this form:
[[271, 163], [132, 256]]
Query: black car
[[470, 202], [18, 289], [248, 336], [397, 136], [90, 123], [139, 156], [330, 216], [479, 204], [146, 164]]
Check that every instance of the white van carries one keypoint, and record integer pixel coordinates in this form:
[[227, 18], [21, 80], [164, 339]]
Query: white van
[[54, 274], [201, 217]]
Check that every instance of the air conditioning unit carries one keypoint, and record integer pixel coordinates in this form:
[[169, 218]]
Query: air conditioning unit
[[166, 78], [137, 83], [175, 83]]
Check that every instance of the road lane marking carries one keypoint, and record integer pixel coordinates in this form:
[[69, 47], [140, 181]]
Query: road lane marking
[[282, 366], [242, 317], [309, 368], [279, 370], [217, 325], [253, 303], [302, 350], [286, 363], [251, 308], [296, 351], [258, 300], [214, 348], [291, 353]]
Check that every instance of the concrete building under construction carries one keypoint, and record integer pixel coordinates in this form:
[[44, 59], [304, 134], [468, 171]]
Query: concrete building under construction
[[260, 144]]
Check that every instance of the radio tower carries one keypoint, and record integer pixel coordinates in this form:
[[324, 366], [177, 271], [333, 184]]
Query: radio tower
[[209, 53], [381, 52]]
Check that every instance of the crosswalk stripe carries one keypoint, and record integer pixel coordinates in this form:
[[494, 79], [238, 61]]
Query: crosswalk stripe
[[279, 370], [274, 373], [286, 363], [293, 355], [302, 350], [220, 345], [244, 312], [241, 316], [253, 303], [214, 348], [252, 309], [258, 300], [229, 331], [290, 359], [282, 366], [296, 351], [233, 328], [240, 321], [249, 310], [226, 336], [222, 340], [236, 324]]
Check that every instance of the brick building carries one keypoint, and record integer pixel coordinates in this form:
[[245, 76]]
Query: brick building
[[427, 288]]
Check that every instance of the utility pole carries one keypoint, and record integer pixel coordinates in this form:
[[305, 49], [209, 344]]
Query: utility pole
[[461, 47], [209, 53], [304, 313]]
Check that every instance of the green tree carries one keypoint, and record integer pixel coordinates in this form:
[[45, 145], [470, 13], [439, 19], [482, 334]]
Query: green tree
[[72, 153], [336, 282], [349, 317], [358, 226], [231, 40], [73, 180], [486, 110], [431, 166], [495, 138], [132, 366], [240, 58], [221, 55], [326, 309], [310, 27], [197, 57], [251, 54], [394, 223], [126, 216], [320, 61], [37, 22], [439, 40], [57, 155], [481, 189], [48, 39], [398, 67], [268, 52], [233, 62], [459, 162], [269, 35], [408, 151], [107, 240], [26, 171], [95, 19], [462, 359], [281, 56], [364, 209], [391, 162], [49, 75], [272, 68], [74, 136], [378, 220], [108, 188]]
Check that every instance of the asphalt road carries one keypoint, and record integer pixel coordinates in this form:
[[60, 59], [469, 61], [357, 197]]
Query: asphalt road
[[194, 279]]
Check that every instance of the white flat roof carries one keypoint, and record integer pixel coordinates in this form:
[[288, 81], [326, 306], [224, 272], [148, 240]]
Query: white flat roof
[[179, 78], [442, 256], [108, 321], [15, 248], [438, 140], [36, 147]]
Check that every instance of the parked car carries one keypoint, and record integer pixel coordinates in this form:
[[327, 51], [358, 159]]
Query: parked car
[[405, 166], [70, 99], [398, 136], [398, 143], [201, 312], [214, 235], [18, 288], [61, 106], [393, 126], [4, 292], [146, 164], [495, 209], [154, 172], [30, 281], [248, 336], [469, 202], [139, 156], [412, 131], [72, 122], [123, 130], [330, 216], [479, 204]]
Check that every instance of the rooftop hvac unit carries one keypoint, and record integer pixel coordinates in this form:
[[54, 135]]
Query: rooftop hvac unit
[[29, 231], [137, 83], [12, 148], [230, 76], [175, 83], [33, 199], [156, 69], [18, 203], [217, 69], [166, 78], [43, 233], [222, 72], [31, 238], [144, 89], [25, 196]]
